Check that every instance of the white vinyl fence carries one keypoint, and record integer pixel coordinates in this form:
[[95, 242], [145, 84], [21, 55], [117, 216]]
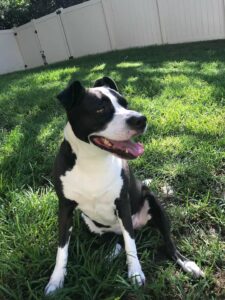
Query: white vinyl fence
[[10, 55], [99, 26]]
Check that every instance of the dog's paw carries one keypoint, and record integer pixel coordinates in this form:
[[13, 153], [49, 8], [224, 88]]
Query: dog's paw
[[137, 276], [191, 268], [53, 285], [147, 181]]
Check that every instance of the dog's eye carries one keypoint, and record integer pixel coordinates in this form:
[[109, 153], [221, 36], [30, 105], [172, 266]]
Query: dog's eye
[[101, 110]]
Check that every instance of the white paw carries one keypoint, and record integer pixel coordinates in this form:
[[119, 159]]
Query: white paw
[[191, 267], [52, 287], [136, 276], [147, 181], [54, 284]]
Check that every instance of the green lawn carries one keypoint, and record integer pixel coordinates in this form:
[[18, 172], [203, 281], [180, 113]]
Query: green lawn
[[181, 90]]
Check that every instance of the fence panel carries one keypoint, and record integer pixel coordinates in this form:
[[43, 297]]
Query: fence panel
[[10, 57], [99, 26], [29, 45], [52, 38], [133, 23], [86, 29], [189, 21]]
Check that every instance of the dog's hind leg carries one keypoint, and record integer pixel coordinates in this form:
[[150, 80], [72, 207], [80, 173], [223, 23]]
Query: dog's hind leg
[[161, 220], [56, 281]]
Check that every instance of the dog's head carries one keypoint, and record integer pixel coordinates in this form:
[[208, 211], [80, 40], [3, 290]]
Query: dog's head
[[100, 116]]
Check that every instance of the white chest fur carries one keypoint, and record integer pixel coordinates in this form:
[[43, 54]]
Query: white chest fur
[[94, 192], [94, 182]]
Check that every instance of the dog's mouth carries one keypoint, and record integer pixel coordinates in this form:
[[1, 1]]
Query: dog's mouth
[[124, 149]]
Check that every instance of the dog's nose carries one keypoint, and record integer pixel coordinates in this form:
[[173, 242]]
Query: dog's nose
[[137, 122]]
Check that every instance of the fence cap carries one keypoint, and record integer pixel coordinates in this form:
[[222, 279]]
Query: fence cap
[[59, 11]]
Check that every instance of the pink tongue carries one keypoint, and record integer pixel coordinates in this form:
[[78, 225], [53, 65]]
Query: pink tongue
[[136, 149]]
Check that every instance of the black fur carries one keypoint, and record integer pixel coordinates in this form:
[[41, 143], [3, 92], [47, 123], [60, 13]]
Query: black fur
[[65, 161], [123, 207], [106, 81], [121, 100], [162, 222], [91, 114], [71, 95]]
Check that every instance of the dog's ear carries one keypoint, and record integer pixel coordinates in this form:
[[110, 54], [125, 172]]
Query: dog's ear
[[71, 95], [106, 81]]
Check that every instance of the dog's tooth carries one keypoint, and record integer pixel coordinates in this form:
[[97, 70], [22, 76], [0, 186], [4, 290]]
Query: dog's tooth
[[106, 142], [126, 150]]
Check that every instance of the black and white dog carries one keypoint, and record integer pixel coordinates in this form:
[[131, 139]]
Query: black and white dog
[[91, 174]]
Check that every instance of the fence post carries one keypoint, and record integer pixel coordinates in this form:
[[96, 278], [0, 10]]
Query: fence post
[[18, 44], [161, 23], [59, 12], [223, 1], [109, 25], [39, 42]]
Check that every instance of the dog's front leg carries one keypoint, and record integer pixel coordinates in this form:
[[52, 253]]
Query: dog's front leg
[[56, 281], [124, 217]]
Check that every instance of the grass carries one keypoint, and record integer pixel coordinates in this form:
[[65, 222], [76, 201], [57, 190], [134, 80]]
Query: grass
[[181, 90]]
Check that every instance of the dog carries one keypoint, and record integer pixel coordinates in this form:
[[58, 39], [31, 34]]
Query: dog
[[91, 174]]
